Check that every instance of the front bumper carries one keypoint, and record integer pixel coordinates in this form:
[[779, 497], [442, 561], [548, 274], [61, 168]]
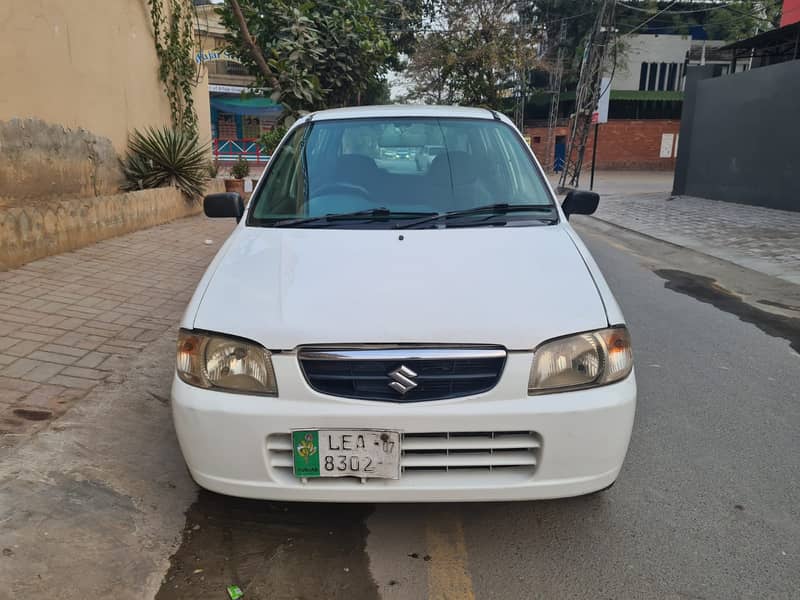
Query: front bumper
[[229, 440]]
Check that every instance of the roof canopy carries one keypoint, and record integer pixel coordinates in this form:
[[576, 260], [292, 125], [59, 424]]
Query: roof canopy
[[254, 107]]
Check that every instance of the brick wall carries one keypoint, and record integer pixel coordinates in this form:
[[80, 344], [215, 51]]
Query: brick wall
[[622, 144]]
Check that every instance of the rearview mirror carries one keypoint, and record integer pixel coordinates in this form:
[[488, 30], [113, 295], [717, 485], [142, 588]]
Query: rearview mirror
[[580, 202], [224, 205]]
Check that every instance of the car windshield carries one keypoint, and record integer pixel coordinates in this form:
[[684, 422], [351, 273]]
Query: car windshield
[[390, 172]]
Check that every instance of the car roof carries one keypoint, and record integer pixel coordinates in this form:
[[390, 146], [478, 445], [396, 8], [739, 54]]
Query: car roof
[[405, 110]]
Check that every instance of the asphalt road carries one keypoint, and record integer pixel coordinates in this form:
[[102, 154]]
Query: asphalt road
[[707, 506]]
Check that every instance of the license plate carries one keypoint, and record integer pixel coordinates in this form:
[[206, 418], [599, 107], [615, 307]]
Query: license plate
[[346, 453]]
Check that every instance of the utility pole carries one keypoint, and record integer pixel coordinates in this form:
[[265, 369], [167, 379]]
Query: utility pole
[[587, 93], [555, 90], [522, 76]]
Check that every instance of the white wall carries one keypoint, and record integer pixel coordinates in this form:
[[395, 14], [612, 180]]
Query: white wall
[[665, 54], [649, 48]]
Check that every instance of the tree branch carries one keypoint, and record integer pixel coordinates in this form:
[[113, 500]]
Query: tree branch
[[261, 62]]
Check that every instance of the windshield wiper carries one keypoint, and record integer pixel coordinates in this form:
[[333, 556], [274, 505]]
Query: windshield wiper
[[493, 209], [369, 214]]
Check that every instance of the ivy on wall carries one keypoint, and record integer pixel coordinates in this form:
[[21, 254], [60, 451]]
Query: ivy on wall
[[173, 30]]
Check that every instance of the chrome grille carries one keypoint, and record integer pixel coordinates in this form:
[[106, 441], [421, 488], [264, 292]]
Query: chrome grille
[[402, 374], [487, 452]]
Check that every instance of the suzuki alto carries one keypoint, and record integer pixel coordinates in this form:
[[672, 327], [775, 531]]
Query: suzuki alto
[[382, 329]]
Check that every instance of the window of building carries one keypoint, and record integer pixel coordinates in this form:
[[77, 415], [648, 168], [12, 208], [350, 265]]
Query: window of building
[[672, 76], [653, 74], [643, 76], [251, 127], [226, 126], [235, 68], [662, 75]]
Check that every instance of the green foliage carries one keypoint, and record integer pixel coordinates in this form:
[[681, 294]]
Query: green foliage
[[163, 157], [403, 20], [213, 168], [173, 31], [378, 92], [241, 168], [269, 140], [323, 53], [740, 20], [476, 59], [730, 20]]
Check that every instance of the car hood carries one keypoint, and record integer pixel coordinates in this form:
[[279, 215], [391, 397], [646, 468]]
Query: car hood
[[510, 286]]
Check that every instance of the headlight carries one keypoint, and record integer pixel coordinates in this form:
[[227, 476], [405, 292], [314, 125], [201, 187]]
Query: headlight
[[216, 361], [581, 361]]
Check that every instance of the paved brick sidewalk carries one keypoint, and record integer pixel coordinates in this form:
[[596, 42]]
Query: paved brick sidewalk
[[69, 322], [762, 239]]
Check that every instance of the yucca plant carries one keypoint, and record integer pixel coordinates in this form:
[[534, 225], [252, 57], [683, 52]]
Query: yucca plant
[[159, 157]]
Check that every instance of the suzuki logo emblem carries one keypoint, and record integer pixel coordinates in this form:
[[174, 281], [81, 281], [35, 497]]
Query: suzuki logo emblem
[[403, 381]]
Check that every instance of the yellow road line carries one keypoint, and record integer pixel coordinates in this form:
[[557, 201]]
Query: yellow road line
[[448, 576]]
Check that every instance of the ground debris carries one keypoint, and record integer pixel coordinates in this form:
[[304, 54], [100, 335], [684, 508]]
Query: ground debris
[[235, 592]]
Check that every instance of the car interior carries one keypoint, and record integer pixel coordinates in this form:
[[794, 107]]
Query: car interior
[[350, 166]]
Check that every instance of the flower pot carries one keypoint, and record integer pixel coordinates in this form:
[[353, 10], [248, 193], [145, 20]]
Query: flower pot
[[235, 185]]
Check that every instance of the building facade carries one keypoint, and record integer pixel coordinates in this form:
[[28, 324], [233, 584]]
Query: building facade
[[658, 62], [239, 114], [647, 80]]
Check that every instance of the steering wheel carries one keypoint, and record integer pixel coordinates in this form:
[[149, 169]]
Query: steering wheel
[[341, 187]]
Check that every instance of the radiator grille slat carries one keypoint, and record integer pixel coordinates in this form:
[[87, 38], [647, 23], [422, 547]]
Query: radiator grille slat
[[471, 459], [411, 443]]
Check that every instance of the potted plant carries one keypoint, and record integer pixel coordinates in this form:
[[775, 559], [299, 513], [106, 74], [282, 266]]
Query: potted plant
[[239, 170]]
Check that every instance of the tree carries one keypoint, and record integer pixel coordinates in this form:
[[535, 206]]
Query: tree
[[317, 53], [356, 49], [474, 55], [731, 20], [280, 47], [253, 50], [403, 21], [740, 20]]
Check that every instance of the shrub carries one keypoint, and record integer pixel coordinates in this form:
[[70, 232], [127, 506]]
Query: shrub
[[164, 157], [270, 139], [241, 168], [213, 168]]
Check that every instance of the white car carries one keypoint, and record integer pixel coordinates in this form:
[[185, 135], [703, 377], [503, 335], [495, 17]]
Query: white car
[[380, 334]]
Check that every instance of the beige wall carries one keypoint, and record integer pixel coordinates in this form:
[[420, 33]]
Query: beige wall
[[82, 64], [44, 228]]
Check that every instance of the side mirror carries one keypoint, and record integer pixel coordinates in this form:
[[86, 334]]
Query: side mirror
[[224, 205], [580, 202]]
